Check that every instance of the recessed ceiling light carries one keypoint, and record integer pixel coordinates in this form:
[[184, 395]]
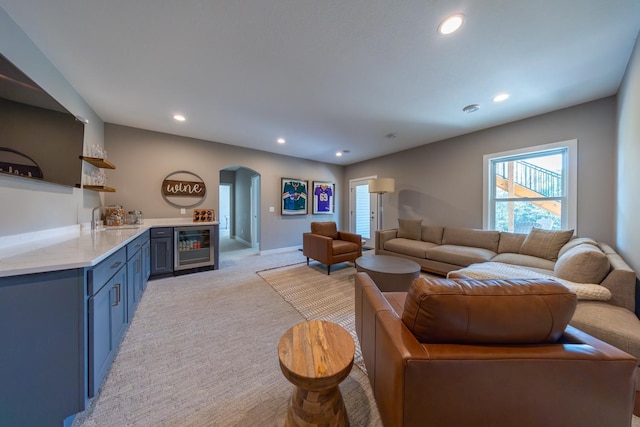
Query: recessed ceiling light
[[179, 117], [501, 97], [281, 140], [391, 135], [451, 24], [339, 154], [471, 108]]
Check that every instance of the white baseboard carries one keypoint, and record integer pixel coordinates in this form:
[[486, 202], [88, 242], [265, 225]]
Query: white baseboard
[[241, 240]]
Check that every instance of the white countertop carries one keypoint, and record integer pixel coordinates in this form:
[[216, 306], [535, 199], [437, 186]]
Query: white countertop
[[72, 247]]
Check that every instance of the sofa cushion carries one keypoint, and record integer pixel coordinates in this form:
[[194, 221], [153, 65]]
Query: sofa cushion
[[459, 255], [576, 242], [488, 311], [414, 248], [545, 243], [499, 270], [583, 264], [327, 229], [410, 228], [525, 260], [432, 233], [510, 242], [612, 324], [486, 239]]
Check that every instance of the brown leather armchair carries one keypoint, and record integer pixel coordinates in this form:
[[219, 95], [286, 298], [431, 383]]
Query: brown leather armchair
[[329, 246], [488, 353]]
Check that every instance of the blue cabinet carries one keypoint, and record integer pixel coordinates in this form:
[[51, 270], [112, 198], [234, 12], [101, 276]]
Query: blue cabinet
[[134, 279], [114, 289], [42, 365], [60, 331], [146, 263], [161, 251], [107, 313], [137, 272]]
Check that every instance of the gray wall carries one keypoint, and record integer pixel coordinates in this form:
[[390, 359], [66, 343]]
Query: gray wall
[[144, 158], [438, 182], [628, 192], [31, 206], [442, 182]]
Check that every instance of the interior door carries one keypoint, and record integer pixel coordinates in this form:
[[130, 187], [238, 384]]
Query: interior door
[[255, 203], [363, 210]]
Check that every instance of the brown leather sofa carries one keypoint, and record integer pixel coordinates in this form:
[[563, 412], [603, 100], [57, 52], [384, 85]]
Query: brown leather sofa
[[329, 246], [488, 353]]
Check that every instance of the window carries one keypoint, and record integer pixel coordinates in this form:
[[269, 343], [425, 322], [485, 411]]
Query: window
[[534, 187]]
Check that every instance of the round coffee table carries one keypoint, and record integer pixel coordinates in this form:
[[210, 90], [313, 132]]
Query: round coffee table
[[316, 356], [390, 273]]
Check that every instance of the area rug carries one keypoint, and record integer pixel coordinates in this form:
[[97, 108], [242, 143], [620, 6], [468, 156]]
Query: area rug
[[319, 296]]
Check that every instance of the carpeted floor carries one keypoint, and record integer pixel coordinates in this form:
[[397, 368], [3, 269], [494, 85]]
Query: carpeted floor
[[319, 296], [202, 351]]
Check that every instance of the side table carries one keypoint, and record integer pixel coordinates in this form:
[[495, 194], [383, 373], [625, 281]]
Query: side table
[[316, 356], [390, 273]]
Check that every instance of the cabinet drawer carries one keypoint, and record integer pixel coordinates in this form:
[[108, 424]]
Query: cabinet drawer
[[101, 273], [161, 232], [135, 246]]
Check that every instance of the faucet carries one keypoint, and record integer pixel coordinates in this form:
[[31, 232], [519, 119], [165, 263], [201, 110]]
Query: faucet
[[94, 222]]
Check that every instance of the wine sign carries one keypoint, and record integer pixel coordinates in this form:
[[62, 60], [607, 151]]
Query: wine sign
[[183, 189]]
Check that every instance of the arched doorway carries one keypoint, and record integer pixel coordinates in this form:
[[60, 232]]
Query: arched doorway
[[239, 214]]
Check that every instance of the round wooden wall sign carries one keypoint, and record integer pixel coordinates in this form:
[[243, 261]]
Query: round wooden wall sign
[[183, 189]]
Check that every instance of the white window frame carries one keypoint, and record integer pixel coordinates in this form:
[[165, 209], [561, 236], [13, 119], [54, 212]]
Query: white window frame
[[569, 220]]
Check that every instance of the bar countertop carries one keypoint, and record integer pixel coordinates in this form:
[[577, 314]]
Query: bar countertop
[[75, 246]]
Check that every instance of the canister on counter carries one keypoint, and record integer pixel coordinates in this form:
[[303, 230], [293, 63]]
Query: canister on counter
[[114, 215]]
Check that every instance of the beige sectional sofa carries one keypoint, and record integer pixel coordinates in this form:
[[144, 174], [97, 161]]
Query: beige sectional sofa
[[603, 281]]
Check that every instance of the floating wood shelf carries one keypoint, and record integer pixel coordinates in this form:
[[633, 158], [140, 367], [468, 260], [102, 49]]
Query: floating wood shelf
[[99, 188], [98, 162]]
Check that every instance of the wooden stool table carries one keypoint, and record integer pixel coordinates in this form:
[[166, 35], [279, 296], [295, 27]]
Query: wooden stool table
[[316, 356]]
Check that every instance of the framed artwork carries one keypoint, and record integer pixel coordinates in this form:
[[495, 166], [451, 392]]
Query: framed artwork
[[294, 196], [323, 194]]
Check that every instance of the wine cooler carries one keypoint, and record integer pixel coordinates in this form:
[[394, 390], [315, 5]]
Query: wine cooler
[[193, 247]]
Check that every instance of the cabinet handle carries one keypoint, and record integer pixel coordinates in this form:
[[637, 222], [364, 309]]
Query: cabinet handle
[[116, 264], [117, 287], [138, 263], [159, 232]]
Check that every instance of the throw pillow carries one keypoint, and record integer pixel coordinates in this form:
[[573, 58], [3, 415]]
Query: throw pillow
[[327, 229], [575, 242], [545, 243], [510, 242], [410, 228], [432, 233], [583, 264]]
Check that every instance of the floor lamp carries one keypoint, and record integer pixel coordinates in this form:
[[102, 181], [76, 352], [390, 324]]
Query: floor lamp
[[381, 186]]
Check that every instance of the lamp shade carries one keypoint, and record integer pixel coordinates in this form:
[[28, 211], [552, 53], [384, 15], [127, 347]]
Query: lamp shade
[[382, 185]]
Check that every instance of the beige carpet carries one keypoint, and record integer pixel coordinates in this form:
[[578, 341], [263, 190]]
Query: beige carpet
[[202, 351], [318, 296]]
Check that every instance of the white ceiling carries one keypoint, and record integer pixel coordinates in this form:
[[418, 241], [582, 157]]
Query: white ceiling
[[330, 75]]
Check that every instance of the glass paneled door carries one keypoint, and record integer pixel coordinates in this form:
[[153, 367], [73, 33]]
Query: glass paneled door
[[363, 211]]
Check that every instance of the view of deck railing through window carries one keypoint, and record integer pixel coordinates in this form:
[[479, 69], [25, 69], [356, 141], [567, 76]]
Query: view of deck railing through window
[[529, 192]]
